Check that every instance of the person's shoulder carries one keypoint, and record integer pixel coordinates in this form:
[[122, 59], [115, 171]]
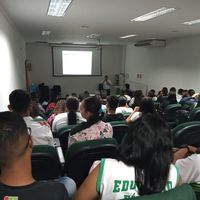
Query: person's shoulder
[[53, 187], [60, 116]]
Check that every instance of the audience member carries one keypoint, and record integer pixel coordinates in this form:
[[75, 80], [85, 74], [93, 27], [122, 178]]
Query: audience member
[[112, 104], [145, 107], [94, 128], [59, 108], [16, 180], [71, 117], [20, 102], [144, 165], [123, 106]]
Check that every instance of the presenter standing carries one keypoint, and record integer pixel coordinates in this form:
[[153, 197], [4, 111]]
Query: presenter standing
[[106, 85]]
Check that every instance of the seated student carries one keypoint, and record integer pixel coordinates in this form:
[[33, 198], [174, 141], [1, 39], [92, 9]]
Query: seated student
[[59, 108], [16, 180], [112, 103], [123, 107], [143, 165], [94, 128], [187, 159], [146, 106], [72, 116], [20, 102]]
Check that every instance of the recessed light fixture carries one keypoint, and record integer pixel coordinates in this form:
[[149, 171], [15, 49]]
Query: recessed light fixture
[[153, 14], [58, 8], [127, 36], [45, 33], [192, 22]]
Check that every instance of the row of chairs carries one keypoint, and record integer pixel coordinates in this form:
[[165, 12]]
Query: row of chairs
[[120, 128]]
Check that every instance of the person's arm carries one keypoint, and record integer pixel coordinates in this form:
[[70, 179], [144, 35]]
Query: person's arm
[[183, 152], [87, 190], [128, 119]]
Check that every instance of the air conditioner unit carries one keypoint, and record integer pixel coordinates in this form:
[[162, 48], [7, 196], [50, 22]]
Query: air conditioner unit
[[151, 43]]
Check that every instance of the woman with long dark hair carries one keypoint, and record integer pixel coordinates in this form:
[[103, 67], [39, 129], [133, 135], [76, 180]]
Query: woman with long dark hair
[[71, 117], [94, 128], [143, 165]]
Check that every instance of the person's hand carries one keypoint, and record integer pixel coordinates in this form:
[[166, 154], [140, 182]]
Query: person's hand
[[136, 109]]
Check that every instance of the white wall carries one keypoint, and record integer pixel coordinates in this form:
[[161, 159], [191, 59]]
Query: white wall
[[40, 57], [178, 65], [12, 57]]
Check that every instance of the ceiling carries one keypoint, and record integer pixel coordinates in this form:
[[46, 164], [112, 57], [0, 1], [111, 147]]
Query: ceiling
[[110, 18]]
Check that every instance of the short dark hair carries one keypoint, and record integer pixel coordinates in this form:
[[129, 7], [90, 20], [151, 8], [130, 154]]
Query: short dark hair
[[112, 102], [13, 131], [122, 101], [19, 101], [148, 147], [147, 106]]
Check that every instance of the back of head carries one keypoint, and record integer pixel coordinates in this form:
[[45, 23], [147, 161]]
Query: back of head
[[13, 138], [164, 91], [172, 90], [112, 102], [146, 106], [191, 92], [122, 101], [19, 101], [72, 105], [93, 105], [148, 147]]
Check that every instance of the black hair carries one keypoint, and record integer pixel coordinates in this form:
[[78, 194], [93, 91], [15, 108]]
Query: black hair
[[93, 105], [72, 105], [13, 131], [164, 91], [180, 91], [19, 101], [148, 147], [191, 92], [172, 98], [112, 102], [147, 106], [172, 89], [122, 101]]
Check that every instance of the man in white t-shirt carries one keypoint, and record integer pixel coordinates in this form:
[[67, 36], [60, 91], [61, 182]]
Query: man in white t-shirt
[[106, 85], [20, 102]]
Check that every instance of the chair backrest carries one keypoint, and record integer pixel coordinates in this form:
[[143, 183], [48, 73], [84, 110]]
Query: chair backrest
[[187, 133], [184, 192], [63, 135], [81, 155], [120, 128], [45, 163], [196, 188], [195, 114], [170, 111]]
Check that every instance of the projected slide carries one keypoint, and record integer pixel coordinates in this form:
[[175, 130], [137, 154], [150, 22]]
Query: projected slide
[[77, 62]]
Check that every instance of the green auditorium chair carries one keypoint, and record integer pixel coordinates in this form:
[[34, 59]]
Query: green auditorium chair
[[196, 188], [81, 155], [120, 128], [63, 135], [195, 114], [45, 162], [170, 114], [187, 133], [183, 192]]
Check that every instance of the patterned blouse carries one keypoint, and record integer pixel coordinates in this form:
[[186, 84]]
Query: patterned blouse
[[98, 130]]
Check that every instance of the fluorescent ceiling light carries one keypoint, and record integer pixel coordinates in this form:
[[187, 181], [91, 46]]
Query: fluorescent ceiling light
[[192, 22], [127, 36], [45, 33], [156, 13], [58, 7]]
